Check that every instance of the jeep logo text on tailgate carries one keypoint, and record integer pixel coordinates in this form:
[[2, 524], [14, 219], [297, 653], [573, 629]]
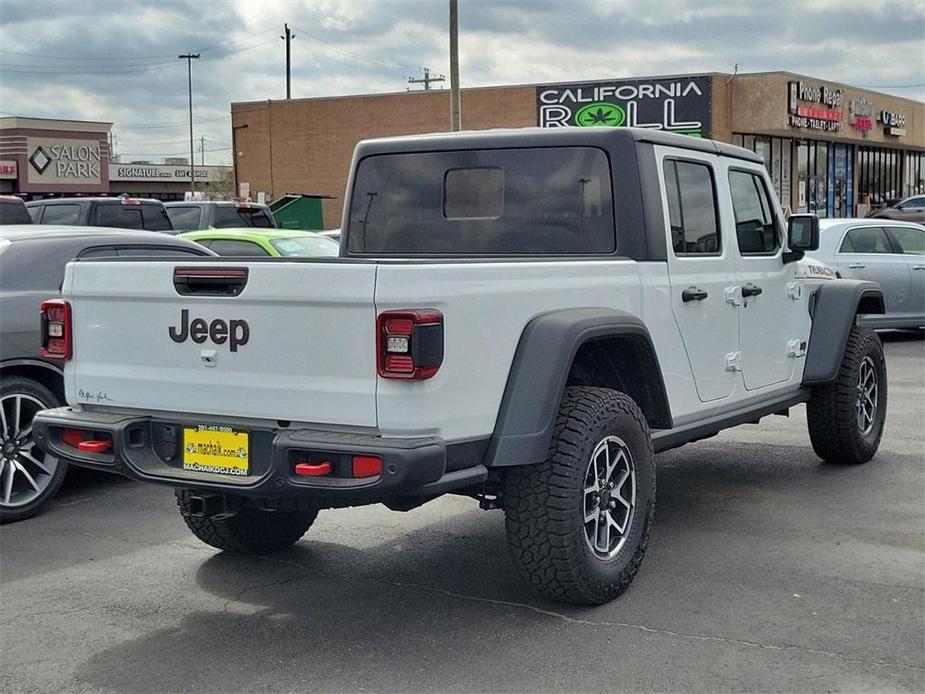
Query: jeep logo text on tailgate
[[235, 332]]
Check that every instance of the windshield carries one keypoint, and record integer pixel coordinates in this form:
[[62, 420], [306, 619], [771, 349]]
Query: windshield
[[232, 216], [306, 247]]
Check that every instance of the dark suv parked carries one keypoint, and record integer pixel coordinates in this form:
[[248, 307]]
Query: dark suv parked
[[32, 262], [13, 210], [192, 216], [122, 213]]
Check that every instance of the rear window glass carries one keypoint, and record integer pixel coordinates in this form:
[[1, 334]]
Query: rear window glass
[[12, 212], [231, 216], [119, 215], [529, 201], [155, 218], [61, 214], [184, 218]]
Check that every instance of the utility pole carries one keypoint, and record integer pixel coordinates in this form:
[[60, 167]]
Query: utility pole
[[202, 151], [427, 79], [455, 116], [189, 58], [288, 39]]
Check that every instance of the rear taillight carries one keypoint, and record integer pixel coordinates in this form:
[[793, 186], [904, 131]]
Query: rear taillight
[[56, 329], [409, 344]]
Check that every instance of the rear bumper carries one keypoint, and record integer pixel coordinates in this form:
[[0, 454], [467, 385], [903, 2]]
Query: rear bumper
[[410, 467]]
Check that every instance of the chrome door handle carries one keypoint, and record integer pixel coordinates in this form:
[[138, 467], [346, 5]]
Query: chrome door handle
[[857, 266]]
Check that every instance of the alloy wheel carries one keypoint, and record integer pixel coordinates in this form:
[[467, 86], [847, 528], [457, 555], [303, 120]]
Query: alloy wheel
[[609, 497], [25, 471], [867, 396]]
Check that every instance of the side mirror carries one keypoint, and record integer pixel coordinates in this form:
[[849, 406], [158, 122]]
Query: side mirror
[[802, 235]]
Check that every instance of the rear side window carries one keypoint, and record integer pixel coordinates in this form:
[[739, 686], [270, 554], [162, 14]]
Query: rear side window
[[185, 218], [13, 212], [528, 201], [35, 211], [231, 216], [756, 229], [692, 216], [866, 240], [909, 240], [61, 214], [119, 216]]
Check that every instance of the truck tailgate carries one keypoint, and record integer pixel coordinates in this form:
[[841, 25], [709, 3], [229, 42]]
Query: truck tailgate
[[297, 342]]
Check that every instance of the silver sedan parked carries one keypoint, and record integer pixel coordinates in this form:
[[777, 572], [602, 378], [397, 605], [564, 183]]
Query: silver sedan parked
[[884, 251]]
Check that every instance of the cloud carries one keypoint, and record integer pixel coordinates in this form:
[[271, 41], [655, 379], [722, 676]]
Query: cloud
[[116, 61]]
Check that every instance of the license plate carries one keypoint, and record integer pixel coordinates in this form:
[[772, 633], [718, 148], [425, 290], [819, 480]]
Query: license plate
[[217, 449]]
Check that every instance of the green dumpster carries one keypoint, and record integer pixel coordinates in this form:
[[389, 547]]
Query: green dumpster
[[299, 211]]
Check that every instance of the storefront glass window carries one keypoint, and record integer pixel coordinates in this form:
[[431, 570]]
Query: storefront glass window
[[802, 176]]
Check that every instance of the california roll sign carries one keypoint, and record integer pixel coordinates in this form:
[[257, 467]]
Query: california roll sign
[[679, 105]]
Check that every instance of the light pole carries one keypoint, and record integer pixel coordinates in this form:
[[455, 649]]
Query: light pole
[[189, 58]]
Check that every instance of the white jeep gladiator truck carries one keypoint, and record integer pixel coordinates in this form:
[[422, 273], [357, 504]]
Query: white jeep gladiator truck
[[525, 317]]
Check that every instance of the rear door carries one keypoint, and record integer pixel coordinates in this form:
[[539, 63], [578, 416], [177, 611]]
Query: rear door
[[269, 353], [700, 269], [910, 241], [865, 253]]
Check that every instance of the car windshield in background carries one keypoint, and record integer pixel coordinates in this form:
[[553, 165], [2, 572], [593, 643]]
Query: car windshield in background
[[306, 247], [484, 202], [184, 218], [230, 216]]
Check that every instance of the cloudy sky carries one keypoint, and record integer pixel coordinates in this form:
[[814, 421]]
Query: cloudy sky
[[116, 61]]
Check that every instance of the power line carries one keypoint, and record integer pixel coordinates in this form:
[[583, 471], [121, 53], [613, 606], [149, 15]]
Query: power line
[[389, 64]]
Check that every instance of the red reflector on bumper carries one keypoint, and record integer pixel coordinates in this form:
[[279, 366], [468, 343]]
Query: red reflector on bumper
[[94, 446], [367, 465], [309, 470]]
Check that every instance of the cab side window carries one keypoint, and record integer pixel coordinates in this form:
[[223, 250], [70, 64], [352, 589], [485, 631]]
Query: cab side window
[[756, 228], [865, 240], [692, 212], [241, 249]]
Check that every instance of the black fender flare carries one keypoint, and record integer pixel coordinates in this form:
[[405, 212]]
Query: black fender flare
[[834, 311], [539, 373]]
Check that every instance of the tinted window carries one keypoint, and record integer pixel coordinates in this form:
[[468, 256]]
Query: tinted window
[[230, 216], [473, 193], [692, 208], [184, 218], [119, 215], [306, 247], [909, 240], [914, 202], [98, 253], [14, 213], [155, 218], [756, 230], [866, 240], [61, 214], [238, 248], [537, 201]]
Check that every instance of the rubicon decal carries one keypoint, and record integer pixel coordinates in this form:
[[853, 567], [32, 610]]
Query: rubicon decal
[[235, 332]]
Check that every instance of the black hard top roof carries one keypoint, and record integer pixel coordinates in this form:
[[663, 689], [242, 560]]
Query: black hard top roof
[[547, 137], [99, 198], [51, 232]]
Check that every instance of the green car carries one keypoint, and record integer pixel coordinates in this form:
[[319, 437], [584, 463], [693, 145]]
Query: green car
[[279, 243]]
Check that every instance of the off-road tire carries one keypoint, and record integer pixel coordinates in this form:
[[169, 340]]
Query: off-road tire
[[249, 531], [26, 386], [544, 503], [831, 412]]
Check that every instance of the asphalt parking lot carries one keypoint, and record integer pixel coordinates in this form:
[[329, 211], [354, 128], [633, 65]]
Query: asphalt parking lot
[[767, 571]]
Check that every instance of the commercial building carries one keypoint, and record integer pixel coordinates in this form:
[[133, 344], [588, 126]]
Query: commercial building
[[830, 148], [41, 157]]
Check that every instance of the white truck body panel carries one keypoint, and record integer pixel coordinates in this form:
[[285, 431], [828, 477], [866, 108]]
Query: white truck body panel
[[309, 356]]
